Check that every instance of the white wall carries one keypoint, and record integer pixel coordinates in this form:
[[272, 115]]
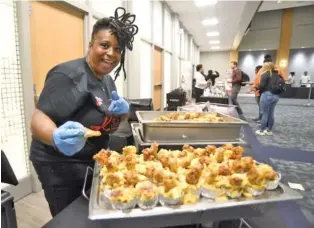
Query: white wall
[[303, 27], [218, 61], [265, 32]]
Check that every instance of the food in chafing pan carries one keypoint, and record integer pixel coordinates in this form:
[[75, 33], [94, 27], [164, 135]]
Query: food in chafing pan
[[147, 194], [181, 176], [192, 116], [123, 198]]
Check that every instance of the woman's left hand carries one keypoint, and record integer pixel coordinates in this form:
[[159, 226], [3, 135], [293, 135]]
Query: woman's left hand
[[118, 106]]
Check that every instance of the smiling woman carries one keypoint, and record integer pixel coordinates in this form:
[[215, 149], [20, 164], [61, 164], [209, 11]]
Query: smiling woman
[[77, 96]]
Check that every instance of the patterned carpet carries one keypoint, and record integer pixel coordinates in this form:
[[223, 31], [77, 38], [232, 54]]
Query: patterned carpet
[[294, 123], [301, 173]]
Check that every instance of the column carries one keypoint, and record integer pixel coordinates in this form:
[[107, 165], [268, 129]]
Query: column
[[282, 59]]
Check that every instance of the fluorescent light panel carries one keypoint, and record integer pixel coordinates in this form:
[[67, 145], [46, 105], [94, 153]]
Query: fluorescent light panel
[[214, 42], [201, 3], [215, 47], [210, 21], [212, 34]]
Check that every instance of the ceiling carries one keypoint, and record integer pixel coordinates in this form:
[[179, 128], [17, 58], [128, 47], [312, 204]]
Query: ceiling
[[234, 18], [276, 5]]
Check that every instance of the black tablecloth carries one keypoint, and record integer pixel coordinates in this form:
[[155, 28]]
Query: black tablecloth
[[297, 93]]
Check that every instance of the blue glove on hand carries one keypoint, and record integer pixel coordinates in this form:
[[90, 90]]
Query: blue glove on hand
[[69, 138], [118, 106]]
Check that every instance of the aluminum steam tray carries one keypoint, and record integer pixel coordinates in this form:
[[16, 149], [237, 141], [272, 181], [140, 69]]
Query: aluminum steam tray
[[100, 207], [187, 130]]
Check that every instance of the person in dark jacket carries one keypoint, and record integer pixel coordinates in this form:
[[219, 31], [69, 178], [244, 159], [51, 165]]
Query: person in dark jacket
[[212, 76], [268, 99]]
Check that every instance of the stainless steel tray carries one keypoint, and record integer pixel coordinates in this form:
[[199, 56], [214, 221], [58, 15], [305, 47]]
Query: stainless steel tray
[[138, 137], [182, 131], [99, 208]]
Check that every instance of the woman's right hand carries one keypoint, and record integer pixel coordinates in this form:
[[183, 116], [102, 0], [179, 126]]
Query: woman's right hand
[[69, 138]]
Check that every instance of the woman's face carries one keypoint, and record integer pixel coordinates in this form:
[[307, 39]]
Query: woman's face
[[104, 52]]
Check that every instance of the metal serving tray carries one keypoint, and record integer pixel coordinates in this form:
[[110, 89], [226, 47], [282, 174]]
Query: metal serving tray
[[182, 131], [141, 144], [100, 208]]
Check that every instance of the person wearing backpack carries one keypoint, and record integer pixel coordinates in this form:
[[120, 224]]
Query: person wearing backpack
[[271, 85]]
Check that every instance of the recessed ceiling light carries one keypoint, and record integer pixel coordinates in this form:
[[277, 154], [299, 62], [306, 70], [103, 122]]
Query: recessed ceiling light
[[210, 21], [302, 47], [265, 49], [279, 1], [201, 3], [212, 33], [215, 47], [250, 50], [214, 42]]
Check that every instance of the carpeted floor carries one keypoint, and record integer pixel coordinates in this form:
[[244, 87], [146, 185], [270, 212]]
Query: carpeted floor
[[294, 123], [301, 173]]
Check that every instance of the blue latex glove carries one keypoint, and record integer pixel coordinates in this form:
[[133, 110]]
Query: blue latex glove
[[118, 105], [69, 138]]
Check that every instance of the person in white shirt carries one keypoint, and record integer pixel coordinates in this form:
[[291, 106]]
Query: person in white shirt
[[200, 83], [305, 78], [291, 79]]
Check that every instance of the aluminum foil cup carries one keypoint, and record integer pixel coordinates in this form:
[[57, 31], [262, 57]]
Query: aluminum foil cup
[[165, 201], [229, 194], [255, 192], [208, 193], [148, 204], [107, 192], [272, 185], [124, 206]]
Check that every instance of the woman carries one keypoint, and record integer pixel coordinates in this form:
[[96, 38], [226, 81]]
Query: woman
[[200, 83], [269, 98], [79, 94]]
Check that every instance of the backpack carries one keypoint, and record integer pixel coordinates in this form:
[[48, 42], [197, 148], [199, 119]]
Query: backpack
[[278, 85], [244, 78]]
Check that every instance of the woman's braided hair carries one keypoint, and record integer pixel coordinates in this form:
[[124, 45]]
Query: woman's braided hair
[[123, 28]]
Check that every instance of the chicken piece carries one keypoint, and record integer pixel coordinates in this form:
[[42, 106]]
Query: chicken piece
[[158, 176], [173, 116], [150, 172], [130, 161], [164, 159], [112, 166], [129, 150], [204, 160], [193, 175], [195, 115], [183, 162], [237, 153], [200, 152], [219, 155], [270, 176], [173, 165], [210, 150], [236, 166], [102, 157], [247, 163], [131, 178], [182, 154], [255, 177], [188, 148], [228, 147], [236, 180], [187, 116], [90, 133], [267, 171], [113, 180], [170, 182], [224, 170], [147, 155], [211, 178]]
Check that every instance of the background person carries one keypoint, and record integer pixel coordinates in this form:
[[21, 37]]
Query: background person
[[200, 83], [291, 79], [257, 92], [236, 80], [305, 78], [269, 98], [80, 94]]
